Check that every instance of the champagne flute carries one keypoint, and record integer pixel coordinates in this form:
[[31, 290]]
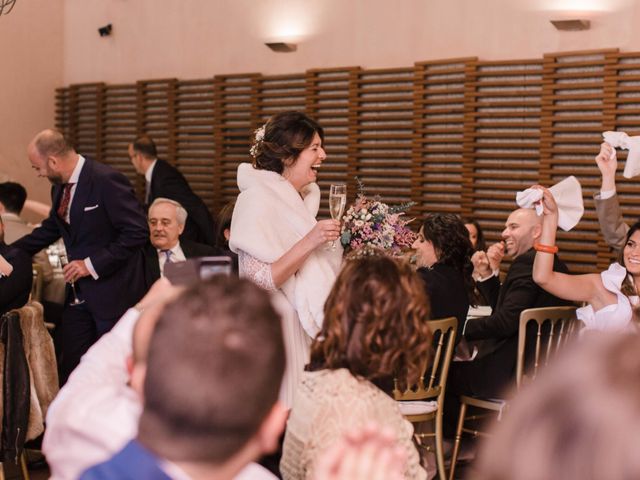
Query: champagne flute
[[337, 203], [64, 260]]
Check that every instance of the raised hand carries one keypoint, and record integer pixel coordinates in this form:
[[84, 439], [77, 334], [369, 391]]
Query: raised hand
[[608, 164], [481, 265], [495, 253]]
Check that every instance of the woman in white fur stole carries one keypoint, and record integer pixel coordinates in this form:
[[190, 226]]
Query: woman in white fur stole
[[280, 244]]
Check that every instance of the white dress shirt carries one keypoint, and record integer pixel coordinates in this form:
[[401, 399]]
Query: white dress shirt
[[177, 255]]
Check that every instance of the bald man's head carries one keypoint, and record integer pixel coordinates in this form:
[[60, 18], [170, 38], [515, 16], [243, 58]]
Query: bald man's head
[[52, 156], [522, 229]]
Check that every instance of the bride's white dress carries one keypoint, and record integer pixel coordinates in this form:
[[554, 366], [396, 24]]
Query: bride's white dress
[[296, 340]]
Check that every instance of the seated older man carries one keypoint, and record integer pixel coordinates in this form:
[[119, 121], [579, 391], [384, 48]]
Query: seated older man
[[494, 366], [15, 275], [167, 219]]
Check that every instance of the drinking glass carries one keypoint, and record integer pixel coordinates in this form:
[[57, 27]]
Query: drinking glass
[[337, 203], [64, 260]]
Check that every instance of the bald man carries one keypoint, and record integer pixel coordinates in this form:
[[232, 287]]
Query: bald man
[[493, 368], [104, 229]]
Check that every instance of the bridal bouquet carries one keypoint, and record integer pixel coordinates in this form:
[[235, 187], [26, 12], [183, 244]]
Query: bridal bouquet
[[371, 223]]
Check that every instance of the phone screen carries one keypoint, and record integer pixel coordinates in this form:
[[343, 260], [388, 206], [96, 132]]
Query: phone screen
[[194, 269]]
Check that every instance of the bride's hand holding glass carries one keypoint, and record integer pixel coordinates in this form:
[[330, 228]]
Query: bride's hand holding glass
[[324, 231]]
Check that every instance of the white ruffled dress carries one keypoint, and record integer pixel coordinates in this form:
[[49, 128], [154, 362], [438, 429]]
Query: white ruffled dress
[[617, 317]]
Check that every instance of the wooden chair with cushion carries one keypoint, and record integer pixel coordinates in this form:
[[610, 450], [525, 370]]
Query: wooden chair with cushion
[[424, 402], [554, 327]]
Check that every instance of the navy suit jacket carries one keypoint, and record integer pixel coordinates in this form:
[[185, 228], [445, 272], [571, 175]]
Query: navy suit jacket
[[107, 225], [168, 182], [133, 462], [15, 289]]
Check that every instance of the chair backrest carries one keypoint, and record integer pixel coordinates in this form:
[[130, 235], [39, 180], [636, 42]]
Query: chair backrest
[[37, 283], [554, 327], [433, 380]]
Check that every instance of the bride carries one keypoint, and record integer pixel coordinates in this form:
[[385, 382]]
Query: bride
[[280, 244]]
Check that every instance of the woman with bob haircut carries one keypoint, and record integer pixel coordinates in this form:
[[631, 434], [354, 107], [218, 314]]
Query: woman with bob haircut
[[374, 330], [274, 231]]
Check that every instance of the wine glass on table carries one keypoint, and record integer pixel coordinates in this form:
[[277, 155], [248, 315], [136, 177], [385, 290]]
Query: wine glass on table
[[337, 203], [64, 260]]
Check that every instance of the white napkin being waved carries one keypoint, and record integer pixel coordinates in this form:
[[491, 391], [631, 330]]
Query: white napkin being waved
[[568, 196], [622, 140]]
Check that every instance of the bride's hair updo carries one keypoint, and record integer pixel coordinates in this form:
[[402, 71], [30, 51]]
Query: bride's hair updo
[[281, 140]]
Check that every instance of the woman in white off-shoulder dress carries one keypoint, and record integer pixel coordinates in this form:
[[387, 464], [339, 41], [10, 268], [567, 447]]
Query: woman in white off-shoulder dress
[[611, 295], [280, 244]]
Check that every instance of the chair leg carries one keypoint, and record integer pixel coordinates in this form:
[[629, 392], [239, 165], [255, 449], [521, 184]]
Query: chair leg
[[23, 465], [456, 444], [442, 474]]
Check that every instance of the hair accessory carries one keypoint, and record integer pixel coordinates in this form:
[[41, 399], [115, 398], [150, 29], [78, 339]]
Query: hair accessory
[[541, 247], [258, 137]]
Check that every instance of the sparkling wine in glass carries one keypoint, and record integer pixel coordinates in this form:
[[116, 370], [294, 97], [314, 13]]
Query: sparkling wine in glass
[[337, 203], [64, 260]]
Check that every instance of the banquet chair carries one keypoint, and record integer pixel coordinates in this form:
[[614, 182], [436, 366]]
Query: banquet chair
[[425, 401], [37, 284], [554, 328]]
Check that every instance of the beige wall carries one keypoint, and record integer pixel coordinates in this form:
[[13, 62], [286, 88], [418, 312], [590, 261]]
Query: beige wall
[[31, 68], [198, 38]]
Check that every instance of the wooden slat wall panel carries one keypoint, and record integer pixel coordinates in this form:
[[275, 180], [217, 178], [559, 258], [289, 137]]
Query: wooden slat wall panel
[[383, 131], [279, 93], [457, 135], [235, 106], [440, 106], [572, 126], [156, 114], [86, 128], [119, 119], [504, 133], [63, 113], [623, 108], [328, 103], [195, 152]]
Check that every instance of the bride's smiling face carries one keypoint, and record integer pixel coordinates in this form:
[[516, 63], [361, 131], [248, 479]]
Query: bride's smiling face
[[631, 254], [305, 169]]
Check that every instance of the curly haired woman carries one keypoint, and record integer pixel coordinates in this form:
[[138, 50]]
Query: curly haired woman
[[444, 260], [373, 330]]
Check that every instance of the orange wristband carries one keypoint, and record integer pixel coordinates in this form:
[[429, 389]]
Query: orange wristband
[[540, 247]]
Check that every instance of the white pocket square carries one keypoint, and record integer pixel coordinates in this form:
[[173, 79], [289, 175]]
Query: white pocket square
[[88, 209]]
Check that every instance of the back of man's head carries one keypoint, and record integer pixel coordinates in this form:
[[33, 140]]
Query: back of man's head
[[145, 146], [12, 196], [215, 365]]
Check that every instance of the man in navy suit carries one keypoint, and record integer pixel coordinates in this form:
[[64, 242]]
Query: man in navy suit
[[164, 180], [209, 386], [104, 230], [15, 286]]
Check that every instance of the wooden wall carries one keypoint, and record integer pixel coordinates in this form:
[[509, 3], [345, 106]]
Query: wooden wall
[[457, 135]]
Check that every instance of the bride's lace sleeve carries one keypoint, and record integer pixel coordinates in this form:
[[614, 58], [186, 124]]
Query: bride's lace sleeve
[[255, 270]]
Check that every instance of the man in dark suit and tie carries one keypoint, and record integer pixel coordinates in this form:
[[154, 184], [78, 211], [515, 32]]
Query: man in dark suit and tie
[[102, 224], [164, 180], [167, 220]]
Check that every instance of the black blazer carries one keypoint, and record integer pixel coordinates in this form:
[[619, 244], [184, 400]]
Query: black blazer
[[108, 225], [168, 182], [447, 293], [15, 289], [190, 250], [517, 293]]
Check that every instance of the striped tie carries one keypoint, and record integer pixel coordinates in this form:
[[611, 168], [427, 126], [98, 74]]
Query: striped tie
[[64, 203]]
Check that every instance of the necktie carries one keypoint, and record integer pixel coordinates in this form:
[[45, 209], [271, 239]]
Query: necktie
[[147, 192], [167, 255], [64, 203]]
